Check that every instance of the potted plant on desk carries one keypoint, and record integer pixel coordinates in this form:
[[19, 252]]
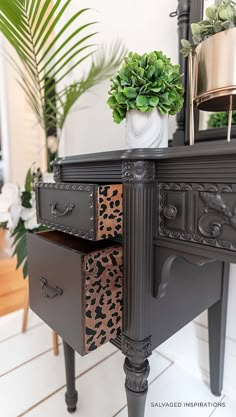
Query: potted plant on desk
[[145, 91], [212, 61]]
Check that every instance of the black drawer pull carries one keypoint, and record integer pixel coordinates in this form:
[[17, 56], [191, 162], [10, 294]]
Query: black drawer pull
[[49, 292], [54, 211], [170, 212]]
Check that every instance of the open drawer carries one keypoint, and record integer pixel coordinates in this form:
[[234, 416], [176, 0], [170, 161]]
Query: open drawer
[[90, 211], [76, 287]]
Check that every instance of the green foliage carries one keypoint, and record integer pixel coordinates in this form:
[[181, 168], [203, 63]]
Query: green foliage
[[19, 235], [20, 245], [145, 82], [220, 120], [219, 17], [46, 60]]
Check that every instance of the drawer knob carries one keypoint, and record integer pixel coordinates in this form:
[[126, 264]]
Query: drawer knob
[[56, 213], [170, 212], [49, 292]]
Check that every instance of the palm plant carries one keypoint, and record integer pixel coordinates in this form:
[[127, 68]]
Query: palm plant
[[47, 60]]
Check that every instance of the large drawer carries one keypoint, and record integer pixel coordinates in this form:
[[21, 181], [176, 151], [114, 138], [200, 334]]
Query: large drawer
[[76, 287], [86, 210], [200, 213]]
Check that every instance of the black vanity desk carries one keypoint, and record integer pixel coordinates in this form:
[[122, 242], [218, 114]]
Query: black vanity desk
[[179, 236]]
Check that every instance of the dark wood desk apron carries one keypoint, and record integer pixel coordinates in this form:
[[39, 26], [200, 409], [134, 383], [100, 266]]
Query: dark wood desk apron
[[177, 234]]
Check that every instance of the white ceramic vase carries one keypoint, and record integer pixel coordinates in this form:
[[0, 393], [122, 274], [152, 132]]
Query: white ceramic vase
[[146, 130]]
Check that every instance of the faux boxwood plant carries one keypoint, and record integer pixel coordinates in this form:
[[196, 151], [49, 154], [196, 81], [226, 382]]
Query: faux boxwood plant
[[219, 17], [220, 119], [145, 82]]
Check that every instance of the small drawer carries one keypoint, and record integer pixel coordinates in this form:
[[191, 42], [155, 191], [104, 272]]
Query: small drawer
[[76, 287], [89, 211]]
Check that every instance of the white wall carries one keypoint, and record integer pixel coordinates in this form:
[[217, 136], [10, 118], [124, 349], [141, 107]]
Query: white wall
[[22, 138], [143, 28]]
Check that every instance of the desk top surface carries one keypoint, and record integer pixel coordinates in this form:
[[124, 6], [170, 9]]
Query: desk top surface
[[198, 150]]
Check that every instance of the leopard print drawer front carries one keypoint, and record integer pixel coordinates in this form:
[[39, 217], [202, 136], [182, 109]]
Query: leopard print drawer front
[[110, 211], [103, 273]]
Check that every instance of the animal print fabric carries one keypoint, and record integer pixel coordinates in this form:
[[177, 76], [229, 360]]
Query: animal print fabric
[[110, 211], [103, 296]]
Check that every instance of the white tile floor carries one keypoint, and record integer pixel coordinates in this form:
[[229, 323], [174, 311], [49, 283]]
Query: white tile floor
[[32, 380]]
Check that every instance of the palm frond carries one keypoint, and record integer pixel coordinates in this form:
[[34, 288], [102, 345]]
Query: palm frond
[[104, 63], [29, 26]]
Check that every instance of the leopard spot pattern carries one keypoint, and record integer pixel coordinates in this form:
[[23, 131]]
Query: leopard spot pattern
[[110, 211], [103, 296]]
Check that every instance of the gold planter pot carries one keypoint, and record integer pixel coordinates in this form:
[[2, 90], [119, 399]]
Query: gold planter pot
[[214, 72]]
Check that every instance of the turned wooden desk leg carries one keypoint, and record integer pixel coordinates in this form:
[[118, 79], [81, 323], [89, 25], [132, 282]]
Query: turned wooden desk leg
[[137, 369], [217, 330], [139, 185], [71, 395]]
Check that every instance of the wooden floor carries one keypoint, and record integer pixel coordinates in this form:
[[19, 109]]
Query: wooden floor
[[12, 285]]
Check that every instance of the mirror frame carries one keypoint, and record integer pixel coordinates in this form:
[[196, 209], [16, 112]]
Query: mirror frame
[[189, 11]]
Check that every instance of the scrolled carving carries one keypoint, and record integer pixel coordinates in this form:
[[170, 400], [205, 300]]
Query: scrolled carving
[[208, 227], [211, 224], [136, 375], [136, 350], [138, 171]]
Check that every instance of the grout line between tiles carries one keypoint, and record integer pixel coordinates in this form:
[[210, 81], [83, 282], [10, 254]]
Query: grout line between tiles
[[216, 407], [163, 356], [28, 361], [64, 385], [206, 328], [19, 333], [154, 380]]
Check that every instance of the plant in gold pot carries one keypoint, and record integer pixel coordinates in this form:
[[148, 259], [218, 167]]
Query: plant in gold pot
[[213, 49], [145, 91]]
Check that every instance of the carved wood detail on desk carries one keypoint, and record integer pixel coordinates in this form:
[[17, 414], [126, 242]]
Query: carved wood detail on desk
[[205, 213], [213, 227]]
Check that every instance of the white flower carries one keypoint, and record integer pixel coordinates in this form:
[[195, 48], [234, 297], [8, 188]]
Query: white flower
[[14, 215], [52, 144], [28, 215], [31, 224], [9, 204], [11, 191]]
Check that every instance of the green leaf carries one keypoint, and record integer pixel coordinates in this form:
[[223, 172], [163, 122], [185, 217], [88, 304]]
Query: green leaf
[[196, 29], [21, 250], [142, 101], [226, 13], [228, 25], [116, 116], [185, 43], [153, 102], [112, 103], [143, 109], [25, 269], [211, 12], [120, 98], [28, 181], [25, 199], [217, 27], [130, 92]]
